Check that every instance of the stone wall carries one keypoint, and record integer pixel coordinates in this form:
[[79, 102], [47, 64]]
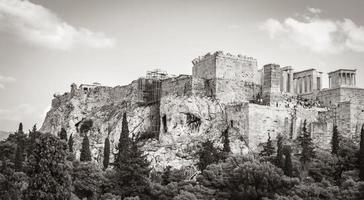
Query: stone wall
[[332, 97], [226, 77], [280, 120], [180, 85], [271, 84]]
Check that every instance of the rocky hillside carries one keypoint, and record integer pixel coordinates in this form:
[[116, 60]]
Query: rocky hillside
[[186, 122]]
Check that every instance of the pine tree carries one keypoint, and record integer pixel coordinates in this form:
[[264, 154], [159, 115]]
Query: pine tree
[[361, 155], [335, 141], [63, 134], [288, 161], [268, 148], [48, 172], [131, 166], [279, 157], [106, 153], [70, 143], [306, 144], [85, 150]]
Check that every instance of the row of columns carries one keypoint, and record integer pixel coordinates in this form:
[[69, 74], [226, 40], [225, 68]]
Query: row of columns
[[344, 79], [287, 82], [307, 84]]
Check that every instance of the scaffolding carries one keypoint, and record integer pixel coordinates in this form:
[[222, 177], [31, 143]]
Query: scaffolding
[[156, 74], [149, 90]]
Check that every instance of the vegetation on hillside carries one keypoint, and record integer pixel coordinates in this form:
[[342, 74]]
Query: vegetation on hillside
[[43, 166]]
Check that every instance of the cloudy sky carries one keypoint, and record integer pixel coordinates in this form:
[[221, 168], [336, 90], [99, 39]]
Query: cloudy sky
[[45, 45]]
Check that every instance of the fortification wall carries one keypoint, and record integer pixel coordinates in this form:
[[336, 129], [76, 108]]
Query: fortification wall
[[332, 97], [281, 120], [181, 85], [238, 68], [228, 91]]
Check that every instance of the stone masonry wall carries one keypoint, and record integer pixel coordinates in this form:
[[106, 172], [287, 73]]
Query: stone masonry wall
[[180, 85]]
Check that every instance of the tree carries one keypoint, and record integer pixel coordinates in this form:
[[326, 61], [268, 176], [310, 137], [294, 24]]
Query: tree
[[335, 141], [106, 153], [20, 143], [306, 145], [124, 140], [63, 134], [279, 157], [19, 158], [226, 141], [48, 172], [361, 155], [245, 178], [131, 167], [288, 169], [20, 129], [207, 155], [70, 143], [85, 149], [132, 171], [268, 148], [166, 176], [87, 178]]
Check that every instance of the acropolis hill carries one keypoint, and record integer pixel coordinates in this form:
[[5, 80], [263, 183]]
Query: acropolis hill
[[172, 115]]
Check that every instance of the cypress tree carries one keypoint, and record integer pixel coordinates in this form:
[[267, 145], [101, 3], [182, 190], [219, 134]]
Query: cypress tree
[[268, 148], [279, 157], [335, 141], [18, 163], [131, 166], [166, 176], [20, 129], [63, 134], [361, 155], [85, 150], [106, 153], [306, 144], [124, 140], [20, 143], [132, 172], [70, 143], [207, 155], [288, 161], [226, 141]]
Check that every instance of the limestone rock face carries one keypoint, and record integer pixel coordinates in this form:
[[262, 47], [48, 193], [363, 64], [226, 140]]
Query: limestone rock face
[[186, 121]]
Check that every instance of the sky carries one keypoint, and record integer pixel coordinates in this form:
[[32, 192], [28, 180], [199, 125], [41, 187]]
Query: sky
[[46, 45]]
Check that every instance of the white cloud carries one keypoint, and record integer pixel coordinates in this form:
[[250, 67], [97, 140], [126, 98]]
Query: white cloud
[[317, 34], [38, 25], [314, 10], [5, 79]]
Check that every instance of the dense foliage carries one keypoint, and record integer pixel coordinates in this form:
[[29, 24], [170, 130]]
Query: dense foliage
[[49, 172]]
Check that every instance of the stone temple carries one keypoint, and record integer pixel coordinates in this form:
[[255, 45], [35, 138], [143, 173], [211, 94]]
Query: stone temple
[[174, 114]]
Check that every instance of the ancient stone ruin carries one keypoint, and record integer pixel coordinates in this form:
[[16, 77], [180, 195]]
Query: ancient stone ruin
[[172, 115]]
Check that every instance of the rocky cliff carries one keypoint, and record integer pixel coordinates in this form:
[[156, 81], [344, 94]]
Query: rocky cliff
[[185, 121]]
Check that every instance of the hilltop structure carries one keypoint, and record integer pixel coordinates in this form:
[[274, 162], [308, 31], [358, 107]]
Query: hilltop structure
[[174, 114]]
